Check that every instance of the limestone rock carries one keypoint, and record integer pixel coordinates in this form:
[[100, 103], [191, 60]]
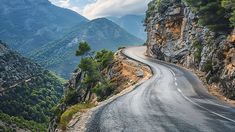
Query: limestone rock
[[174, 36]]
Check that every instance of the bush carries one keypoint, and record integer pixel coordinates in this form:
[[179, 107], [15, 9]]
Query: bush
[[198, 50], [211, 14], [208, 66], [70, 97], [103, 90]]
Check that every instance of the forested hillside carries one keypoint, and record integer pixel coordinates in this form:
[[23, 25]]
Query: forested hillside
[[27, 92]]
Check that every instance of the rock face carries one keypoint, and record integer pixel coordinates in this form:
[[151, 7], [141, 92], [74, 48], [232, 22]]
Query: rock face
[[174, 36]]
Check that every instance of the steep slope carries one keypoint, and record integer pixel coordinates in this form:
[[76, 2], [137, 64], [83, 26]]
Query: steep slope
[[59, 56], [175, 35], [27, 92], [132, 23], [28, 24]]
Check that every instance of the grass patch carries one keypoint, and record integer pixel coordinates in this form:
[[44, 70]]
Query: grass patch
[[69, 113]]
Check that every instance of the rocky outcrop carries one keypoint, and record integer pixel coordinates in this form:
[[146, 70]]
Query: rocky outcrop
[[174, 35]]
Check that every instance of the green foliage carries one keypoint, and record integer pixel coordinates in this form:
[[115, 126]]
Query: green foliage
[[21, 123], [93, 80], [198, 49], [69, 113], [208, 66], [70, 97], [90, 67], [211, 14], [83, 49], [56, 77], [33, 101], [229, 5], [103, 90], [104, 58]]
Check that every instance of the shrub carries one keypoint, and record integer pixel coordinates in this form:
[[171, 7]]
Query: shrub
[[198, 50], [103, 90]]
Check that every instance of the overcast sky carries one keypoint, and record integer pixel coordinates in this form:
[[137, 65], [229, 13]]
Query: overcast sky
[[102, 8]]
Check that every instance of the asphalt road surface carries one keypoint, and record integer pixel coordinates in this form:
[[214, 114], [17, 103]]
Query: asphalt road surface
[[173, 100]]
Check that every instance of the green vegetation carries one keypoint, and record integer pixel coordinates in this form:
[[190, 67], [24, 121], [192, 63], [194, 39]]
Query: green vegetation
[[229, 5], [198, 49], [83, 49], [33, 101], [92, 66], [157, 5], [20, 123], [217, 15], [208, 66], [104, 58], [54, 76], [103, 90], [69, 113]]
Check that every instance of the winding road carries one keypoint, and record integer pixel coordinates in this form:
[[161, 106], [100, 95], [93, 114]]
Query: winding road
[[173, 100]]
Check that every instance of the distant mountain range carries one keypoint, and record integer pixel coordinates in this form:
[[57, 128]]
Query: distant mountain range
[[59, 56], [29, 24], [50, 34], [132, 23]]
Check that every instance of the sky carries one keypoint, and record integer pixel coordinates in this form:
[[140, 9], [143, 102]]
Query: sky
[[92, 9]]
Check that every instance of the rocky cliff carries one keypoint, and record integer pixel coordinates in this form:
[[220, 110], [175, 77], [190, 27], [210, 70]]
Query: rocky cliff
[[174, 35], [122, 73]]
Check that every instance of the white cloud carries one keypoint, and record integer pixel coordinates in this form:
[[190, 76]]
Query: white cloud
[[66, 4], [103, 8]]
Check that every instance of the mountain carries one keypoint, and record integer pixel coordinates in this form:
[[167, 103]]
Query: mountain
[[27, 92], [132, 23], [59, 56], [28, 24]]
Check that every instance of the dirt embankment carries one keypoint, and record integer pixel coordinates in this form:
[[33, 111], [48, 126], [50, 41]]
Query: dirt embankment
[[126, 74]]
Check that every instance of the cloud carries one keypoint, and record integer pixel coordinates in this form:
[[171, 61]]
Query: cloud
[[104, 8], [67, 4]]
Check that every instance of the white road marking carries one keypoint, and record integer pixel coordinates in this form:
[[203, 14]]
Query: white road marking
[[175, 79], [212, 112]]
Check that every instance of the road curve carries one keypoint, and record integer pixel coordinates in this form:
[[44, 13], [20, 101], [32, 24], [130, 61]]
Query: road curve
[[173, 100]]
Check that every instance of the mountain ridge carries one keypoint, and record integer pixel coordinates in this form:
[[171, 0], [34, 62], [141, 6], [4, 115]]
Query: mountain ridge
[[99, 33], [28, 24], [134, 24]]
